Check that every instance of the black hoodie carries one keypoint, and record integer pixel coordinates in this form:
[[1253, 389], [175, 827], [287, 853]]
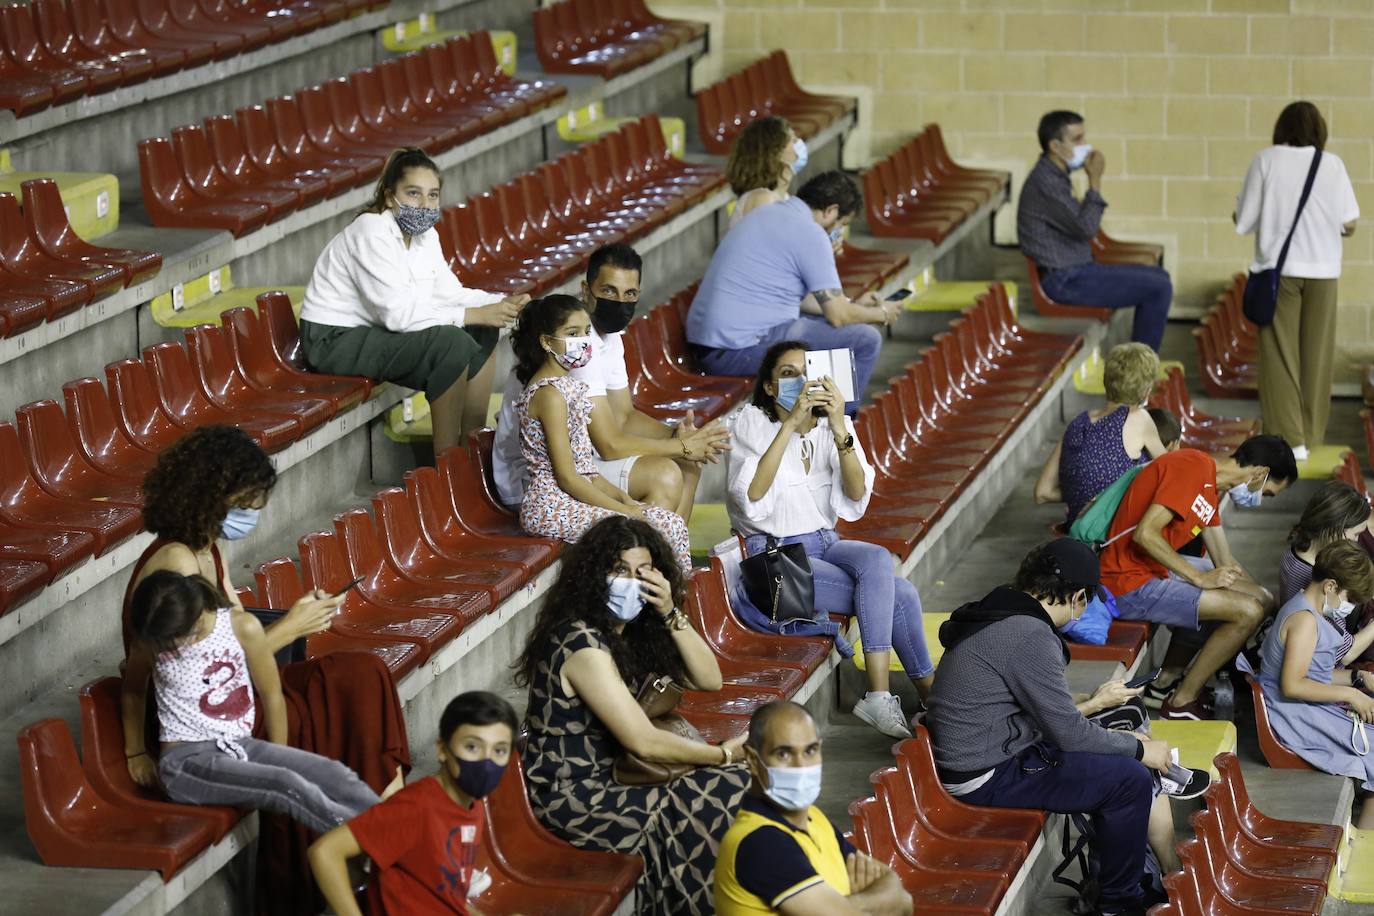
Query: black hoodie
[[1000, 688]]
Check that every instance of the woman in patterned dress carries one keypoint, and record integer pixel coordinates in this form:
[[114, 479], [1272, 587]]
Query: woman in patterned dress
[[609, 622], [566, 495]]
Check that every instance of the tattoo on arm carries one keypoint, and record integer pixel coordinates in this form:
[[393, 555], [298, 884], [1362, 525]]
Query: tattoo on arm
[[825, 295]]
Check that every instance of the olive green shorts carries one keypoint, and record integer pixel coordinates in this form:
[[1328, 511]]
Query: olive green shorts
[[430, 360]]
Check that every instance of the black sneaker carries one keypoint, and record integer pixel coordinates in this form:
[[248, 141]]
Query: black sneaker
[[1184, 782]]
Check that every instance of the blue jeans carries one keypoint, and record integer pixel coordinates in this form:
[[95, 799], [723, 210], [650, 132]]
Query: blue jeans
[[856, 578], [1115, 791], [863, 340], [1118, 286]]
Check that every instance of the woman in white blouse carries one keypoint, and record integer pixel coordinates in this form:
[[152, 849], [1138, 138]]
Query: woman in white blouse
[[792, 476], [1296, 352], [383, 303]]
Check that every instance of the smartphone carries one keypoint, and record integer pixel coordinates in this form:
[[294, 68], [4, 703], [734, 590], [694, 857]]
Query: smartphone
[[1144, 679], [349, 587], [899, 295]]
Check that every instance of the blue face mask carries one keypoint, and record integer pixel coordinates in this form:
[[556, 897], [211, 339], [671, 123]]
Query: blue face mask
[[625, 601], [478, 778], [803, 155], [794, 788], [789, 389], [1080, 155], [239, 523], [836, 233], [1243, 496]]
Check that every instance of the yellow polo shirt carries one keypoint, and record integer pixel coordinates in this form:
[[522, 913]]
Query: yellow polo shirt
[[764, 859]]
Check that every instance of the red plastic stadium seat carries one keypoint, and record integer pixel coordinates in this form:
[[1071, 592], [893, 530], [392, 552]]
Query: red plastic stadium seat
[[47, 220], [57, 550], [201, 171], [135, 406], [1229, 797], [260, 140], [1046, 306], [716, 621], [1224, 887], [126, 22], [412, 556], [525, 848], [1275, 754], [765, 87], [181, 398], [446, 532], [22, 92], [897, 802], [20, 40], [107, 768], [19, 580], [1125, 639], [258, 363], [232, 157], [70, 824], [22, 256], [25, 504], [92, 32], [324, 564], [472, 491], [226, 388], [60, 467], [172, 201], [279, 586], [1305, 867], [19, 311]]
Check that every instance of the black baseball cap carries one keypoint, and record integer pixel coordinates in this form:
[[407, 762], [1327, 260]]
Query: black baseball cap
[[1075, 562]]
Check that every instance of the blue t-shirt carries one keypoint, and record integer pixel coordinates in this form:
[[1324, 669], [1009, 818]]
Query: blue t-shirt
[[759, 275]]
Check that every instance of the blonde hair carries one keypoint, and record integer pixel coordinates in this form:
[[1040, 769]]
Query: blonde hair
[[1130, 373], [756, 158]]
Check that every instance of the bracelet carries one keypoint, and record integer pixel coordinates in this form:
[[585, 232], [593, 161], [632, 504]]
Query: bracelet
[[132, 756], [678, 620], [729, 757], [686, 453]]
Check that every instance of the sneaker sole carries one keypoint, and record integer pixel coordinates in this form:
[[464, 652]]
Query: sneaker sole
[[1175, 715]]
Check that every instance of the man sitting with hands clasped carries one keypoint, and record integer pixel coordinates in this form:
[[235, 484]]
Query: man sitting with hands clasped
[[1006, 732], [782, 855]]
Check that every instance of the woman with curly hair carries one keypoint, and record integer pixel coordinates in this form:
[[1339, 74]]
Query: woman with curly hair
[[210, 485], [610, 622], [766, 156]]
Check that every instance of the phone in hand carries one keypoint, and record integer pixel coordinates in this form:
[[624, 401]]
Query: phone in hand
[[349, 587], [1147, 678], [899, 295]]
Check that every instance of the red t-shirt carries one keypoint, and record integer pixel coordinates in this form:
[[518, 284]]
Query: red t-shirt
[[1185, 483], [423, 848]]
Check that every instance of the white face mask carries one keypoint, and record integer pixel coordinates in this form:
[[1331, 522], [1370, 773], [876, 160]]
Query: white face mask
[[625, 600], [794, 788], [1341, 610], [1080, 156]]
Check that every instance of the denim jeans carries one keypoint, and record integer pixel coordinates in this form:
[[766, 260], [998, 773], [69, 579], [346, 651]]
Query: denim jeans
[[1118, 286], [1115, 791], [856, 578], [863, 340], [314, 791]]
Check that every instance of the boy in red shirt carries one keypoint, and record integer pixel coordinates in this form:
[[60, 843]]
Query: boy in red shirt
[[1172, 500], [423, 841]]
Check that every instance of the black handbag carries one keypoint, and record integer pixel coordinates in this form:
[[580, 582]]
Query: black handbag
[[1261, 298], [778, 582]]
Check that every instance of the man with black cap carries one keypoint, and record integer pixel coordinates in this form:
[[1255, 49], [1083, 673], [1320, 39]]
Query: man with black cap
[[1005, 729]]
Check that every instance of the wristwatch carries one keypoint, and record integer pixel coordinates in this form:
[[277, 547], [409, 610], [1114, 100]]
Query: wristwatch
[[847, 445], [678, 620]]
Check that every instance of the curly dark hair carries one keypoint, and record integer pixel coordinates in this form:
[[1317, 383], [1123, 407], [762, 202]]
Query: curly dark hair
[[539, 318], [581, 592], [186, 494], [756, 158]]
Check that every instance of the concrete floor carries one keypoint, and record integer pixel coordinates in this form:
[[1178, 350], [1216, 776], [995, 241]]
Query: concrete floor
[[853, 751]]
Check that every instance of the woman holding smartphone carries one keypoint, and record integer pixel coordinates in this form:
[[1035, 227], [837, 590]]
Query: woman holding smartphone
[[795, 470]]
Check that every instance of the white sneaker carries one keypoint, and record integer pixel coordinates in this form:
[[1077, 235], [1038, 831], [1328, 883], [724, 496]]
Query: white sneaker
[[883, 712], [1300, 453]]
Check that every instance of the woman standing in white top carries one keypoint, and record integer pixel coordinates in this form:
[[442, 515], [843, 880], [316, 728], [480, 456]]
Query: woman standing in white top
[[1296, 350], [793, 477], [383, 303]]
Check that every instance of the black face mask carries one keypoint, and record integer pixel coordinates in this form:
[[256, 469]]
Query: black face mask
[[611, 315]]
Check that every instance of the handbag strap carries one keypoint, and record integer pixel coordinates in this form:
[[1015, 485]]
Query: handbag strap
[[1302, 202]]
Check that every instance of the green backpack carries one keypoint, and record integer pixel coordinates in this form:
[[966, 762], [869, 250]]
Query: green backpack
[[1095, 521]]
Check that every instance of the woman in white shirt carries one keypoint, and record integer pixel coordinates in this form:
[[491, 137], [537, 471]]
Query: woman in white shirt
[[1296, 350], [793, 476], [383, 303]]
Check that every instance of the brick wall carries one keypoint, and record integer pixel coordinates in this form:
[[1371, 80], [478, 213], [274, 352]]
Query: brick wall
[[1178, 94]]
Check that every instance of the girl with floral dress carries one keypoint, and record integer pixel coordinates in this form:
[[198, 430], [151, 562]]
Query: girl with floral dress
[[566, 495]]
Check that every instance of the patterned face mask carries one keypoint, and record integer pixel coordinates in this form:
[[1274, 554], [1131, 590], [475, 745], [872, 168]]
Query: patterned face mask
[[577, 352], [416, 220]]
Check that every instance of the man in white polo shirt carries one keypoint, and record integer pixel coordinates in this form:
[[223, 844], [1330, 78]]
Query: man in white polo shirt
[[655, 463]]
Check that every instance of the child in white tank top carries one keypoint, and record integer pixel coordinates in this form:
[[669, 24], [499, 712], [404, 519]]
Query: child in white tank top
[[205, 659]]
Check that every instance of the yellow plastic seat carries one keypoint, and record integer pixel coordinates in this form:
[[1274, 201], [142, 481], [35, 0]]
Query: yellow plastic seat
[[708, 526], [203, 299], [91, 199], [949, 296]]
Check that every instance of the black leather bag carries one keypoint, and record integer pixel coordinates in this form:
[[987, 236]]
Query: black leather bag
[[779, 583], [1261, 298]]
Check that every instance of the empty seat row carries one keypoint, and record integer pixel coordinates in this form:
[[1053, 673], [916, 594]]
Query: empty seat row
[[1228, 346], [919, 192], [605, 37], [47, 270], [946, 415], [950, 856], [239, 173], [51, 53], [765, 87], [1200, 430], [1243, 861], [70, 479], [533, 233]]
